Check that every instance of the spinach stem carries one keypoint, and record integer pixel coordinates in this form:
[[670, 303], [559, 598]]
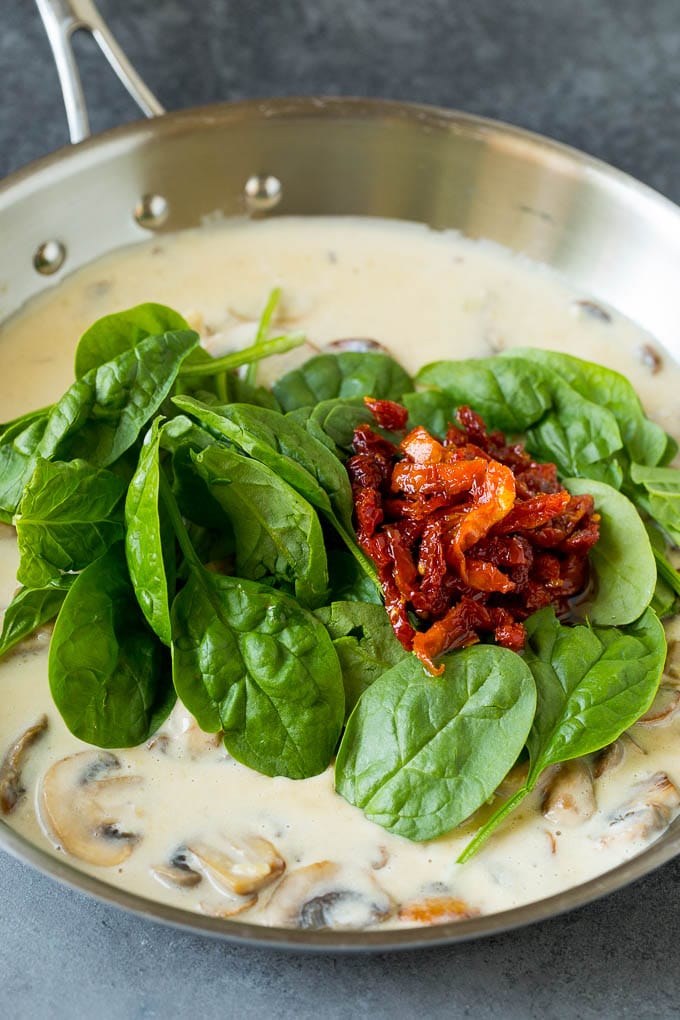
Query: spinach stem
[[277, 345], [262, 330], [492, 824], [170, 504], [667, 571]]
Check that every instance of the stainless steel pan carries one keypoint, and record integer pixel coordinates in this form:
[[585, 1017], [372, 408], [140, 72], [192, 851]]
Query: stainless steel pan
[[607, 234]]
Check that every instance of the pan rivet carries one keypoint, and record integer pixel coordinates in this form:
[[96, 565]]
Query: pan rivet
[[49, 257], [262, 192], [152, 211]]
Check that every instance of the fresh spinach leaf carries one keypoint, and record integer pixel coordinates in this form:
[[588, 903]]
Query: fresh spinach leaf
[[32, 608], [263, 331], [20, 424], [251, 661], [522, 396], [365, 644], [421, 753], [183, 438], [295, 456], [508, 396], [18, 447], [103, 413], [657, 492], [591, 685], [576, 434], [349, 374], [69, 515], [433, 409], [667, 592], [349, 581], [282, 445], [149, 542], [109, 676], [643, 440], [241, 392], [122, 331], [333, 422], [623, 560], [278, 534], [202, 368]]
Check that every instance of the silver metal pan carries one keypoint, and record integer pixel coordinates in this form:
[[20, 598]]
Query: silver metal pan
[[607, 234]]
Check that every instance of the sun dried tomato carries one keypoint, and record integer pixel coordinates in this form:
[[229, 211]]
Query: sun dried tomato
[[387, 414], [469, 535]]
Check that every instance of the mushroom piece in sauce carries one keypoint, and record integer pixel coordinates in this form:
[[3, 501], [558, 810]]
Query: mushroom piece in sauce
[[569, 798], [11, 786], [360, 344], [609, 758], [178, 872], [324, 895], [241, 867], [647, 813], [82, 799]]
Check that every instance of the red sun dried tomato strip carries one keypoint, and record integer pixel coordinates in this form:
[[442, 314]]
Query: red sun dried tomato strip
[[469, 535]]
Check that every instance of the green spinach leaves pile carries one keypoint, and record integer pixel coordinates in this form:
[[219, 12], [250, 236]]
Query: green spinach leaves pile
[[191, 531]]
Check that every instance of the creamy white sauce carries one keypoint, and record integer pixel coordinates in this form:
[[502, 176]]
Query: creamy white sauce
[[424, 295]]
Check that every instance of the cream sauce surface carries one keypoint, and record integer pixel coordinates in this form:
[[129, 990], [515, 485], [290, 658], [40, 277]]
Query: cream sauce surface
[[424, 296]]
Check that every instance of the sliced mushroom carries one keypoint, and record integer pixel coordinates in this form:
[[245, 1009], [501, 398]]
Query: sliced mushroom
[[647, 813], [436, 910], [182, 736], [592, 310], [11, 786], [227, 908], [178, 872], [569, 798], [159, 742], [608, 758], [240, 867], [650, 358], [361, 344], [381, 858], [81, 803], [665, 706], [672, 667], [322, 895]]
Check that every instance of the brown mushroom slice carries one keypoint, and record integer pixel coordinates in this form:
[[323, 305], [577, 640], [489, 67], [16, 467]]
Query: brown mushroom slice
[[82, 802], [664, 707], [672, 667], [11, 786], [177, 872], [242, 867], [360, 344], [229, 908], [647, 813], [196, 742], [436, 910], [182, 736], [569, 798], [609, 758], [325, 896]]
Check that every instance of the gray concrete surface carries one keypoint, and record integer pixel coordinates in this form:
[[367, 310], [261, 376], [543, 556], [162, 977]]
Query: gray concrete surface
[[603, 75]]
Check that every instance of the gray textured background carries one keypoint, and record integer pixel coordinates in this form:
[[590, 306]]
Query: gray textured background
[[603, 75]]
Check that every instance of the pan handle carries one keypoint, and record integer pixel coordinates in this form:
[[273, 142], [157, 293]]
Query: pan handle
[[61, 19]]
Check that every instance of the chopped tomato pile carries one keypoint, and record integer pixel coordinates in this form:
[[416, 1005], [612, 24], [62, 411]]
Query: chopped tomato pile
[[470, 536]]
